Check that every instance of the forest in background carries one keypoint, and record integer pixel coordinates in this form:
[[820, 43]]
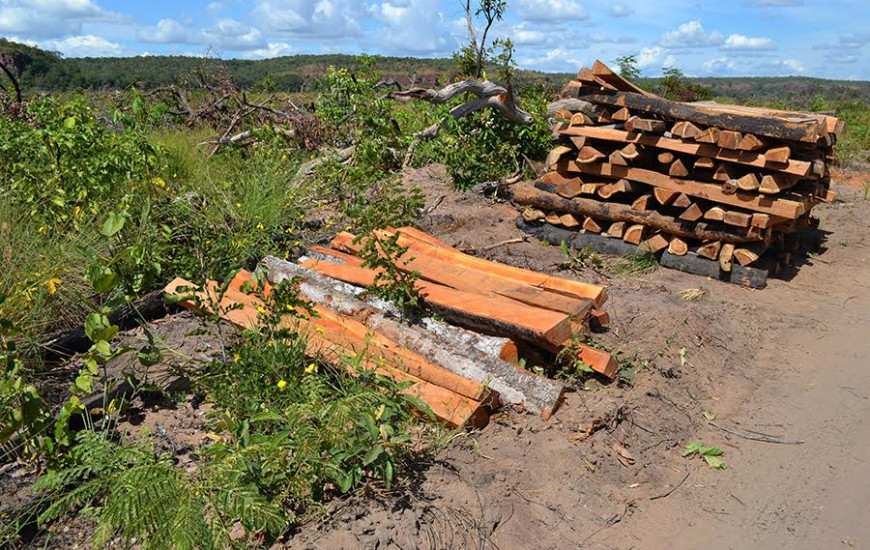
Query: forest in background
[[50, 72]]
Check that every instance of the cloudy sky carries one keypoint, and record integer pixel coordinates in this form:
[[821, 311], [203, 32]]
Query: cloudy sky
[[828, 38]]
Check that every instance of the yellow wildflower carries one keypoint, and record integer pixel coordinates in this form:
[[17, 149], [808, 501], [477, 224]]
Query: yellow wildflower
[[43, 230], [159, 182], [76, 211], [236, 357], [260, 226], [52, 284], [311, 368], [238, 205], [261, 309], [282, 384], [320, 330]]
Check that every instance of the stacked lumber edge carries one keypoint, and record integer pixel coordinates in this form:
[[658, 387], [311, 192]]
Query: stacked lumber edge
[[464, 364], [719, 190]]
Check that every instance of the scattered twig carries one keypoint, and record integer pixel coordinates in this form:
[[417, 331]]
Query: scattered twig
[[503, 243], [757, 436], [672, 489], [435, 204]]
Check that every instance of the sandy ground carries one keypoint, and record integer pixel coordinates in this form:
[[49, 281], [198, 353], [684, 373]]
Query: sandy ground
[[790, 361]]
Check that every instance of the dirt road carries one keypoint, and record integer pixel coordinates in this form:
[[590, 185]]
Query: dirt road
[[813, 377]]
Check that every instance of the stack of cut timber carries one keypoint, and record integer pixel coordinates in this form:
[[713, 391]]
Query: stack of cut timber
[[461, 370], [718, 190]]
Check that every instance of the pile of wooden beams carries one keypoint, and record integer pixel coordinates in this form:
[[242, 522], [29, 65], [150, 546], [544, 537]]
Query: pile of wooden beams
[[461, 368], [705, 186]]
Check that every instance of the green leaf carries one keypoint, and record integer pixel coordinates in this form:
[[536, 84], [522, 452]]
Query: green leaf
[[711, 451], [113, 224], [97, 327], [692, 449], [149, 356], [69, 123], [102, 278], [373, 455], [715, 462], [85, 383]]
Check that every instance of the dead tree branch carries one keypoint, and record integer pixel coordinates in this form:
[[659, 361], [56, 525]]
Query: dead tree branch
[[14, 80]]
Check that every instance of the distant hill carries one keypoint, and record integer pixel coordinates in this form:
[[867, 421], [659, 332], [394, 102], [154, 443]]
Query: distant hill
[[49, 71]]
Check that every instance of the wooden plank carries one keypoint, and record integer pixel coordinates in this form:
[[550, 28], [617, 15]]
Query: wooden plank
[[705, 163], [776, 183], [682, 201], [780, 207], [569, 221], [630, 151], [678, 247], [710, 249], [716, 214], [621, 115], [692, 214], [556, 154], [709, 135], [616, 230], [804, 131], [634, 234], [604, 72], [748, 182], [488, 314], [797, 167], [725, 256], [685, 129], [739, 219], [589, 154], [591, 226], [552, 283], [553, 218], [655, 243], [641, 203], [665, 196]]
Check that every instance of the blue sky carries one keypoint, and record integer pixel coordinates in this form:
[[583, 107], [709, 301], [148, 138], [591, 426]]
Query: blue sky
[[723, 38]]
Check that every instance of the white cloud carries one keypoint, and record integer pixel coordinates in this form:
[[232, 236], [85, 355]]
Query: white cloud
[[719, 66], [230, 34], [50, 18], [551, 10], [84, 46], [528, 34], [620, 10], [690, 35], [794, 65], [272, 49], [336, 19], [166, 31], [411, 27], [783, 67], [740, 42], [655, 57], [558, 59]]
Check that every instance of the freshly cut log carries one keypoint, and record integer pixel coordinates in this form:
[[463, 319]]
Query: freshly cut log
[[570, 188], [655, 243], [778, 155], [605, 116], [581, 119], [710, 250], [806, 131], [682, 201], [665, 196], [532, 215], [709, 135], [748, 255], [600, 361], [604, 72], [705, 163], [665, 157], [716, 214], [529, 195], [739, 219], [621, 114], [781, 207], [692, 214], [729, 187], [748, 182], [617, 158], [797, 167], [649, 125], [630, 151], [776, 183], [678, 247], [577, 141], [553, 218], [685, 130], [678, 169], [591, 188], [751, 142], [556, 154], [616, 230], [634, 234], [621, 186], [589, 154], [569, 221], [641, 203], [591, 226], [725, 256], [760, 220], [729, 139]]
